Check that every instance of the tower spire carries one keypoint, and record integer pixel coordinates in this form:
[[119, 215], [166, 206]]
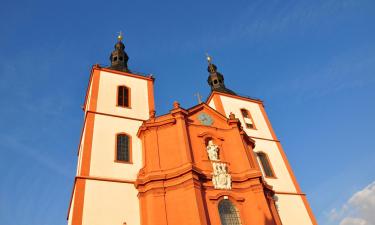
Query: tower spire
[[119, 58], [216, 79]]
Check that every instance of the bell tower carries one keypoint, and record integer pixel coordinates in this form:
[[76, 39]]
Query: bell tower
[[110, 153], [119, 58], [293, 207], [216, 79]]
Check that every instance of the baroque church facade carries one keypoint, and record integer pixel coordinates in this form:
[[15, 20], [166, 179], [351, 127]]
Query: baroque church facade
[[218, 162]]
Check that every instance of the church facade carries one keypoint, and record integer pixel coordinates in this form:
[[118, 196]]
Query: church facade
[[218, 162]]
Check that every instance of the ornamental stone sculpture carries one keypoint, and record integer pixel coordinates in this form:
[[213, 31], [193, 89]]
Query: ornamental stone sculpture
[[221, 179], [212, 151]]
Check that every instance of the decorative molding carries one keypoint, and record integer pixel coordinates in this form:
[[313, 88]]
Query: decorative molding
[[288, 193], [105, 179], [226, 194], [118, 116], [117, 72]]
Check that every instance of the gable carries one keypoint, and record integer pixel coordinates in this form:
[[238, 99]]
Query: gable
[[204, 115]]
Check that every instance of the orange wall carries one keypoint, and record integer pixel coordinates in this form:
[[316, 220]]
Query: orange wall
[[175, 181]]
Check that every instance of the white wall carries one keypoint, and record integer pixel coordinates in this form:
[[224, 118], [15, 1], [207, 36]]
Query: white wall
[[212, 104], [283, 181], [108, 203], [234, 105], [291, 208], [107, 97], [104, 147]]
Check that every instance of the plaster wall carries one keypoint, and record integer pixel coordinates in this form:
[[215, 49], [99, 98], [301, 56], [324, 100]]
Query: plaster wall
[[103, 151], [110, 203], [107, 96], [283, 182], [235, 105], [291, 207], [211, 104], [292, 210]]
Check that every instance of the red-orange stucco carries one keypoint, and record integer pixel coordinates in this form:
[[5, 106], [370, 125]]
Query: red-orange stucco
[[175, 186]]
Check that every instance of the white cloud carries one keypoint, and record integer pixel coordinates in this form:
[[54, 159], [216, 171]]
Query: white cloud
[[353, 221], [359, 210]]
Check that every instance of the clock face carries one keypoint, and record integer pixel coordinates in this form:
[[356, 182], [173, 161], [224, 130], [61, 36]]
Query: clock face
[[205, 119]]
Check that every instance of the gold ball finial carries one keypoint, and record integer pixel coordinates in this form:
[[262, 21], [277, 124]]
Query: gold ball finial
[[120, 37], [209, 58]]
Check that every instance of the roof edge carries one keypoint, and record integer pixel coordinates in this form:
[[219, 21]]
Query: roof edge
[[233, 96]]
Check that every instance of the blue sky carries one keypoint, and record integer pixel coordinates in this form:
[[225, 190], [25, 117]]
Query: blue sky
[[312, 62]]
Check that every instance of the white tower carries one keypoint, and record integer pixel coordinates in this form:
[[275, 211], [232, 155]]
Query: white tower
[[110, 153], [292, 204]]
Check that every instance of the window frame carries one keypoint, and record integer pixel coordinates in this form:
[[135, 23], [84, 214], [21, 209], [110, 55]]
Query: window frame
[[129, 97], [269, 165], [249, 117], [129, 150], [233, 204]]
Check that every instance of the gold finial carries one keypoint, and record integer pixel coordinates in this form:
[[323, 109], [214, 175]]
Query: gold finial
[[119, 37], [211, 67], [209, 58]]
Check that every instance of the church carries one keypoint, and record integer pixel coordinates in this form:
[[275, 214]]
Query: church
[[216, 163]]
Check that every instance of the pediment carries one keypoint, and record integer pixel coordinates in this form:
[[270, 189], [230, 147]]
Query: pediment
[[204, 115]]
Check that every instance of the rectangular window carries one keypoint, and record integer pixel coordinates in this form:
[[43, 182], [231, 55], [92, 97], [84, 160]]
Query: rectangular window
[[123, 148], [123, 94], [266, 165]]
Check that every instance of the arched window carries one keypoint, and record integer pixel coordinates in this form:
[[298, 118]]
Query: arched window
[[249, 123], [123, 148], [266, 165], [123, 96], [228, 213]]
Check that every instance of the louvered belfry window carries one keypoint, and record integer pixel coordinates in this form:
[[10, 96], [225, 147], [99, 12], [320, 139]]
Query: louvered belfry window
[[267, 169], [123, 96], [228, 213], [247, 118], [123, 148], [245, 113]]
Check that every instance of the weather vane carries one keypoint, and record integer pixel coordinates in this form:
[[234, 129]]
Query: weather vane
[[119, 37]]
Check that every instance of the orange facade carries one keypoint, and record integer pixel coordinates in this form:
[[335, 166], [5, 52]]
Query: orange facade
[[175, 184], [190, 166]]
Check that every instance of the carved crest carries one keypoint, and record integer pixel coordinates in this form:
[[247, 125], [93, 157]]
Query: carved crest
[[221, 178]]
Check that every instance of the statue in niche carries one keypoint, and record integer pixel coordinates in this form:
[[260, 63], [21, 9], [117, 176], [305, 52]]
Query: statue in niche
[[221, 179], [212, 151]]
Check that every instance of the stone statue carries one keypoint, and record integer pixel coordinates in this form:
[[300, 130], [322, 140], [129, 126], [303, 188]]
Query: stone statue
[[221, 179], [212, 151]]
